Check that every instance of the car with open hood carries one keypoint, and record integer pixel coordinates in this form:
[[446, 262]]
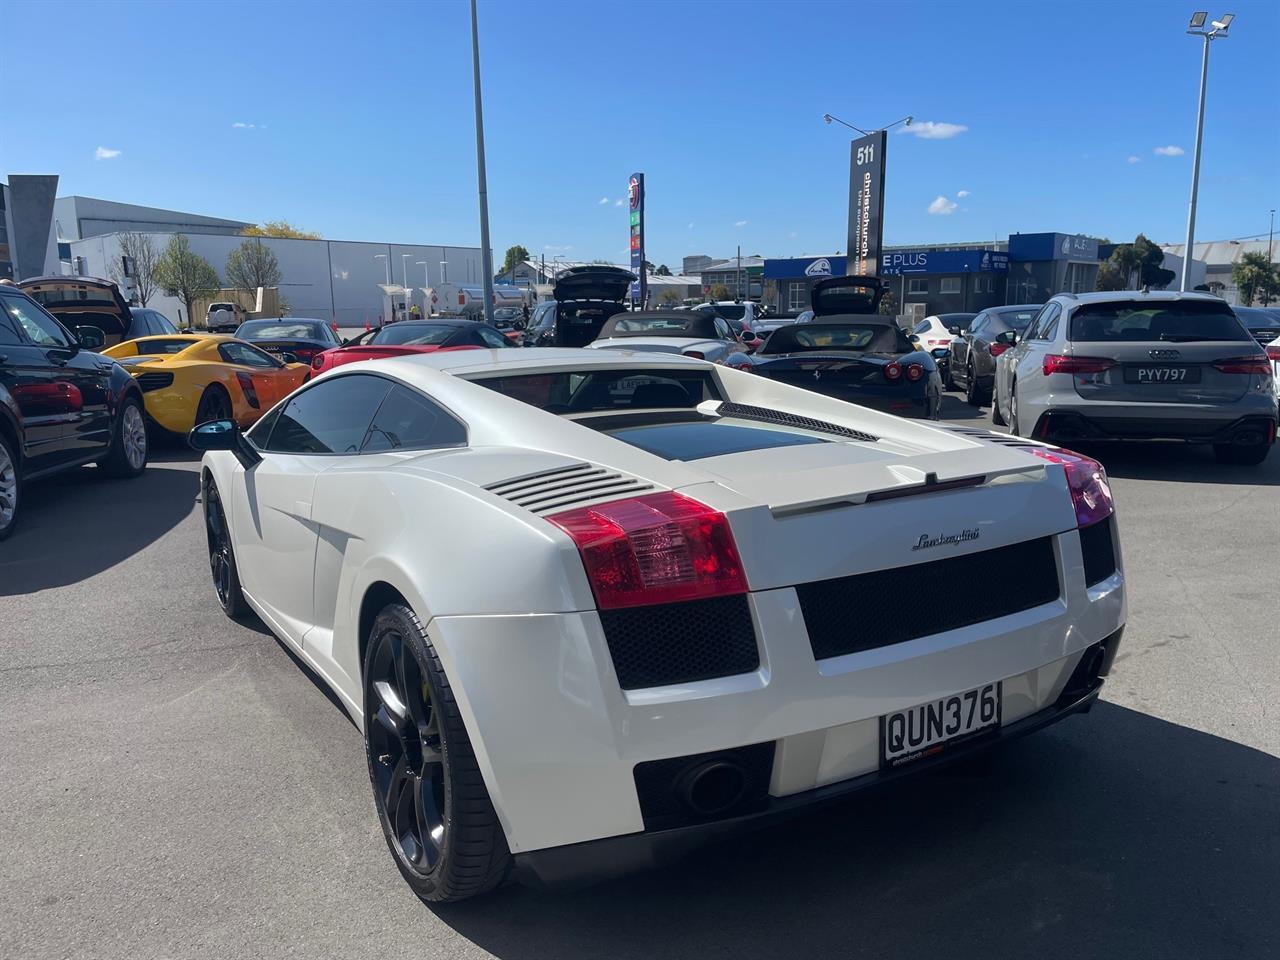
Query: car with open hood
[[583, 298], [694, 333], [852, 352], [191, 378], [706, 612], [93, 309]]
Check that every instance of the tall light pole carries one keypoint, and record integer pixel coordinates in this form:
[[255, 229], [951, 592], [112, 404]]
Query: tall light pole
[[486, 255], [383, 257], [404, 269], [1218, 31], [426, 277], [831, 118], [1271, 231]]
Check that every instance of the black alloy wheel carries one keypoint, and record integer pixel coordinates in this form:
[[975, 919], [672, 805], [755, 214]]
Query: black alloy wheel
[[214, 405], [222, 559], [997, 418], [436, 815], [972, 396]]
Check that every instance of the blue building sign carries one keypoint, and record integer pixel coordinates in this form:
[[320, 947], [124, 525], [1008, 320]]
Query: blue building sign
[[799, 267], [1053, 246], [907, 262]]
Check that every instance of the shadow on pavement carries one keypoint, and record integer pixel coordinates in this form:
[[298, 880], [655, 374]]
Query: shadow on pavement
[[78, 524], [1178, 462], [1115, 834]]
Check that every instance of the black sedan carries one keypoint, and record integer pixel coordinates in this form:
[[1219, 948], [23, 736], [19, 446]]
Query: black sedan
[[971, 357], [1263, 323], [850, 352], [300, 336]]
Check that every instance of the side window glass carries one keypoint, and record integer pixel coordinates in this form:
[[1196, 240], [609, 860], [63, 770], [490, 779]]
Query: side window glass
[[40, 328], [331, 417], [409, 421], [162, 323], [1048, 325], [1034, 325], [8, 329], [246, 355], [491, 337]]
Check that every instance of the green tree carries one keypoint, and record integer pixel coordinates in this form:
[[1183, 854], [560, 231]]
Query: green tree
[[1139, 263], [278, 228], [185, 275], [669, 296], [889, 304], [662, 271], [1110, 276], [720, 292], [1254, 278], [515, 256], [252, 265]]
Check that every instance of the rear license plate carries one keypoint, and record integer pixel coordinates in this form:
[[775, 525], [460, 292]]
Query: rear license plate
[[1162, 374], [929, 728]]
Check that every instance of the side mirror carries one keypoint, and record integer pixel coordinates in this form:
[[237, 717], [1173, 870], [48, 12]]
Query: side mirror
[[91, 338], [223, 435], [954, 331], [519, 325], [287, 357]]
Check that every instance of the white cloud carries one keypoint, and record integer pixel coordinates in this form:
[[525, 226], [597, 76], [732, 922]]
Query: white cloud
[[620, 201], [934, 130], [691, 225], [106, 153], [554, 247], [791, 235], [962, 194], [602, 201], [243, 126], [1170, 151], [1133, 159], [740, 223], [942, 206]]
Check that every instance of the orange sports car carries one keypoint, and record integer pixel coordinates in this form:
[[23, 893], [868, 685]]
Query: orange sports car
[[193, 378]]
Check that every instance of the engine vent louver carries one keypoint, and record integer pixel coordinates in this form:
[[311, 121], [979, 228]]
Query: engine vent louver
[[574, 485], [744, 411]]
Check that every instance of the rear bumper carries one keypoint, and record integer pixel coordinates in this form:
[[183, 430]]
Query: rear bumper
[[1066, 425], [617, 856]]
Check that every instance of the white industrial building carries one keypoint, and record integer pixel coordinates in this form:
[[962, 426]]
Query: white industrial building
[[540, 276], [1215, 260]]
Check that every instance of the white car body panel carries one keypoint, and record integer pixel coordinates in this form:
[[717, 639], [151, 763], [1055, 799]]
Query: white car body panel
[[505, 599], [712, 350], [933, 333]]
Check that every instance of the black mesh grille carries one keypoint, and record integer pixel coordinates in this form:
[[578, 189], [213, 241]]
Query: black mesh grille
[[883, 607], [1099, 551], [657, 783], [681, 642], [153, 381], [745, 411]]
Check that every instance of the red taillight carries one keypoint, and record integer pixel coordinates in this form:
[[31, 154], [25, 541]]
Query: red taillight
[[1243, 365], [998, 348], [1090, 489], [659, 548], [1273, 353], [914, 372], [742, 365], [1055, 363], [937, 343], [893, 371], [317, 361], [696, 354]]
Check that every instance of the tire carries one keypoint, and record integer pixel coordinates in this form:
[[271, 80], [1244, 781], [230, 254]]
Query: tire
[[972, 395], [1013, 409], [222, 557], [436, 815], [1249, 456], [214, 404], [10, 487], [996, 416], [948, 381], [130, 443]]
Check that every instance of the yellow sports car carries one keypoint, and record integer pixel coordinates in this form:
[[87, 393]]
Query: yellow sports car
[[193, 378]]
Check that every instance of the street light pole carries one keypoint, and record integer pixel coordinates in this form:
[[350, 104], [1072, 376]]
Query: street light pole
[[1270, 234], [486, 255], [383, 257], [1219, 31]]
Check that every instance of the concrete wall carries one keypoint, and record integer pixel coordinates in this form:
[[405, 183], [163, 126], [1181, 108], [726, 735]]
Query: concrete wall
[[79, 218], [33, 244], [323, 279]]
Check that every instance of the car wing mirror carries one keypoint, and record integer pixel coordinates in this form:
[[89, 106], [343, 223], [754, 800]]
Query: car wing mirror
[[223, 435], [91, 338], [287, 357], [954, 331]]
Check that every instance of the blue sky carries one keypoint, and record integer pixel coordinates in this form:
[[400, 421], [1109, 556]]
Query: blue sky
[[355, 119]]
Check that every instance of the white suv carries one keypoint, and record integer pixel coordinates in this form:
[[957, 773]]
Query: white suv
[[1134, 365]]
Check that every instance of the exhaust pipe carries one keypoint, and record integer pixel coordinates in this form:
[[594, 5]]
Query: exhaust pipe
[[712, 788]]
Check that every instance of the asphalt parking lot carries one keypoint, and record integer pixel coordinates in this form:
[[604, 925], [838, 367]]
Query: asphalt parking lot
[[174, 785]]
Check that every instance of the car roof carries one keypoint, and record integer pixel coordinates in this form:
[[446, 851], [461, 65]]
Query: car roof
[[1156, 296], [529, 360]]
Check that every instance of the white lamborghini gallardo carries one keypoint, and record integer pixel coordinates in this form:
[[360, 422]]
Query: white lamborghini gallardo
[[591, 608]]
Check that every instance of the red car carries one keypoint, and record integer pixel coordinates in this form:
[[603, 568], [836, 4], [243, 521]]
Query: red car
[[412, 336]]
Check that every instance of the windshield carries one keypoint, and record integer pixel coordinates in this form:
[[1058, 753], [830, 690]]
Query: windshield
[[666, 325], [859, 337], [1175, 321], [283, 330], [154, 348], [415, 334], [587, 391]]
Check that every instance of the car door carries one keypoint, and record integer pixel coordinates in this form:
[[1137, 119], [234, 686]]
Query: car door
[[1008, 362], [27, 383], [261, 369], [66, 388], [1027, 373], [961, 346], [274, 533]]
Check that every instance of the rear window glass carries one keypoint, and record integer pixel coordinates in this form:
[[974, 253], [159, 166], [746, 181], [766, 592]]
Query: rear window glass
[[731, 311], [861, 337], [1175, 321], [602, 390], [711, 438], [415, 334], [1016, 319], [275, 330], [155, 348], [666, 325], [83, 297]]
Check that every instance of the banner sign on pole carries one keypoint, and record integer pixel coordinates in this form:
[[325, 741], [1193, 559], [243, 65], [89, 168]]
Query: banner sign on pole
[[635, 204], [866, 204]]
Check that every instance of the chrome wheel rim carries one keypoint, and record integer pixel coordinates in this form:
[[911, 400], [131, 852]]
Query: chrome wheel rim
[[134, 434], [406, 753], [8, 488]]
